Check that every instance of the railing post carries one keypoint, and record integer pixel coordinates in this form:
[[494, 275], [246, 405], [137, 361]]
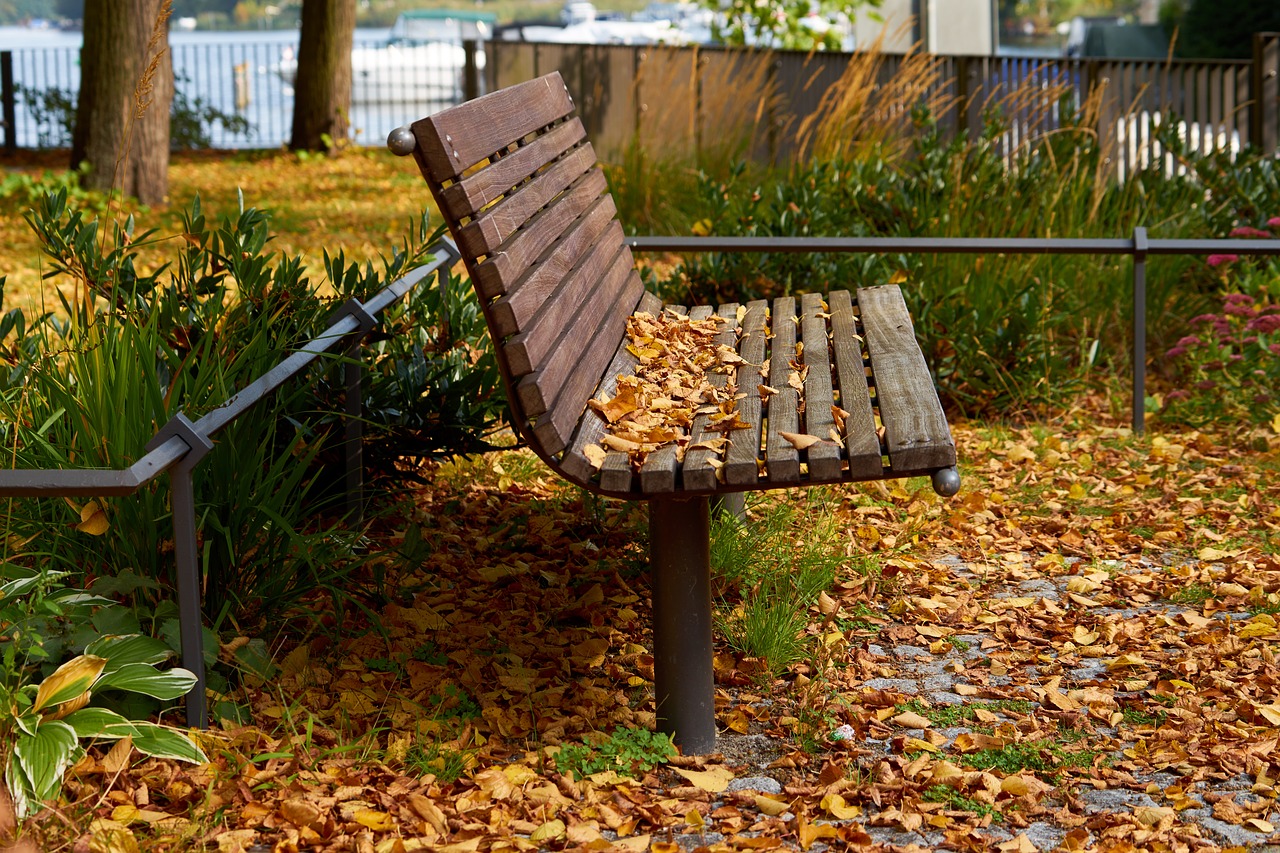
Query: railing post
[[9, 95], [1139, 330], [470, 70], [1264, 85], [186, 559], [353, 409]]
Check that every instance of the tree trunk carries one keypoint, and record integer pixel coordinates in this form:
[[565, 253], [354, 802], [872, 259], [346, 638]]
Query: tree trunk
[[126, 92], [322, 86]]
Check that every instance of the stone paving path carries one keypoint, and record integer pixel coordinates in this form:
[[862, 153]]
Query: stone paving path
[[932, 678]]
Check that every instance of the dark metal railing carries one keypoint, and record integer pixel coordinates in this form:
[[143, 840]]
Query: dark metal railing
[[1139, 247], [181, 443]]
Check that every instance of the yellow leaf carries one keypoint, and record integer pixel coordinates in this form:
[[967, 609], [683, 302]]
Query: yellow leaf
[[714, 780], [93, 520], [1153, 815], [1126, 660], [1021, 844], [1084, 637], [550, 830], [1077, 492], [1214, 555], [375, 820], [701, 228], [912, 744], [811, 832], [109, 836], [835, 806], [68, 681], [912, 720], [694, 818], [770, 806], [898, 277], [1257, 824], [800, 441], [235, 841], [1271, 713], [595, 455]]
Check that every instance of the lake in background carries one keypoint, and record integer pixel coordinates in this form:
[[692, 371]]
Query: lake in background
[[234, 72]]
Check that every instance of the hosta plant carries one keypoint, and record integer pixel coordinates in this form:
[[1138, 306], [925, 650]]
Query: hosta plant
[[45, 718]]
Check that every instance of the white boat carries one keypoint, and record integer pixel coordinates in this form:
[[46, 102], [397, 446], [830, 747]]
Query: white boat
[[423, 61]]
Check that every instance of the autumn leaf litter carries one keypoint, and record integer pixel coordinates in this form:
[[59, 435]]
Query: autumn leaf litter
[[1078, 652]]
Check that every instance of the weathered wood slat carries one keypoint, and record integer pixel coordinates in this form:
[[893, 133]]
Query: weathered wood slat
[[862, 445], [596, 280], [491, 228], [540, 390], [782, 410], [658, 473], [698, 474], [592, 427], [742, 462], [512, 312], [501, 270], [469, 196], [824, 459], [916, 431], [576, 371], [456, 139]]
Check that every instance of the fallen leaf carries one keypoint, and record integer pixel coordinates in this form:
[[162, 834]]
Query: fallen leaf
[[800, 441], [714, 780]]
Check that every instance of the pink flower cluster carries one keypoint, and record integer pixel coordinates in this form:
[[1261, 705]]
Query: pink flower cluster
[[1244, 231]]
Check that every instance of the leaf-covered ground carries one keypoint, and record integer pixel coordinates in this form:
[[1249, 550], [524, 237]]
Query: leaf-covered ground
[[1078, 652]]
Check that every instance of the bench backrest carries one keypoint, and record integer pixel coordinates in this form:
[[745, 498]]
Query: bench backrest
[[519, 186]]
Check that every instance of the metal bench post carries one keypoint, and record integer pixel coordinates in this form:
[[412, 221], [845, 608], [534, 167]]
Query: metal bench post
[[684, 681]]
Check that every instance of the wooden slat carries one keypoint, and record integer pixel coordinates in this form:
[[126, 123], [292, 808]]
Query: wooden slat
[[782, 410], [501, 270], [592, 427], [586, 364], [862, 445], [456, 139], [490, 229], [741, 467], [697, 474], [513, 311], [916, 431], [825, 458], [595, 281], [470, 195], [658, 473], [540, 389]]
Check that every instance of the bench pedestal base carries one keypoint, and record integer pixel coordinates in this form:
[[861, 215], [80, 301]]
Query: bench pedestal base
[[684, 680]]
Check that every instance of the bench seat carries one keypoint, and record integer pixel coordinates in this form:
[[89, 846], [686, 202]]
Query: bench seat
[[830, 388]]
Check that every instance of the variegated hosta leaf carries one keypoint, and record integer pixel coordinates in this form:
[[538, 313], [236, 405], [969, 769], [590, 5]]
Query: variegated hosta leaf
[[99, 723], [24, 799], [146, 679], [123, 649], [44, 758], [163, 742], [68, 681]]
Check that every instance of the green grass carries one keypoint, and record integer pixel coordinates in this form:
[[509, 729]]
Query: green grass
[[948, 716], [959, 802], [447, 765], [1192, 595], [1042, 757]]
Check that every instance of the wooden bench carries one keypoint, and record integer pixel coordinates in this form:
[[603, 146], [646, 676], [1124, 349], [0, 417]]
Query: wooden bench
[[519, 186]]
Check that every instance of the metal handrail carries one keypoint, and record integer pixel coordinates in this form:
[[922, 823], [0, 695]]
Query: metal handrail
[[1139, 246], [181, 443]]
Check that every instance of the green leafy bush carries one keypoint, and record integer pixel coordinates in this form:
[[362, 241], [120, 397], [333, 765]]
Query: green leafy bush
[[48, 710], [186, 337], [628, 752], [1228, 367]]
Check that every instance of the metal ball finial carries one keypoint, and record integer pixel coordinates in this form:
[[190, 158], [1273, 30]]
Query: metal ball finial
[[946, 482], [401, 141]]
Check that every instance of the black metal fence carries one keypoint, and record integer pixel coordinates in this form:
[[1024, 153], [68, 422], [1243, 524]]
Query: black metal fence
[[677, 99], [250, 80]]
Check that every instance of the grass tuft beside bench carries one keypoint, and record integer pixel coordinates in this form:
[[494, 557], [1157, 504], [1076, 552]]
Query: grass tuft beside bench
[[520, 188]]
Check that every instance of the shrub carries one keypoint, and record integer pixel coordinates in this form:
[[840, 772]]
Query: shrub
[[187, 336], [1228, 367]]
